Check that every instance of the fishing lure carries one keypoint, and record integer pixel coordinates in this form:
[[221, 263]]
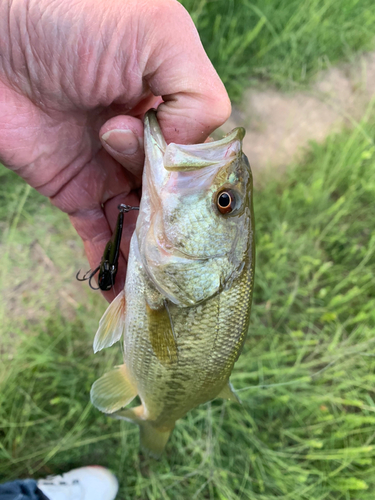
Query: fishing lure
[[109, 263]]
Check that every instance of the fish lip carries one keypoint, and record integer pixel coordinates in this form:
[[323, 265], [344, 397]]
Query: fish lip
[[154, 130], [194, 157]]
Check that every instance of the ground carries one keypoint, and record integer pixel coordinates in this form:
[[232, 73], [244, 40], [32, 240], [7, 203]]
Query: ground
[[280, 125]]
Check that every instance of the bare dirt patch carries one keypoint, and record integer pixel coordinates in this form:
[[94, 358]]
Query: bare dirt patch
[[280, 125]]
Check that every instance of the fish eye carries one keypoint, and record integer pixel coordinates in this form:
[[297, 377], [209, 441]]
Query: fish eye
[[225, 202]]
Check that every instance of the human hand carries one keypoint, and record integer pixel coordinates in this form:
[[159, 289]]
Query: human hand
[[75, 81]]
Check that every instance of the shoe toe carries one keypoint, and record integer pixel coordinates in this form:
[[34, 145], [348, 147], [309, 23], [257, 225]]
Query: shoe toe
[[96, 482]]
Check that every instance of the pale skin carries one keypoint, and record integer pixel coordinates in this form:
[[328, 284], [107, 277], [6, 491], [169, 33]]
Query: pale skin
[[76, 77]]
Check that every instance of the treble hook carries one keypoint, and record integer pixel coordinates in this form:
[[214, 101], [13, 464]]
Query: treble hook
[[88, 277]]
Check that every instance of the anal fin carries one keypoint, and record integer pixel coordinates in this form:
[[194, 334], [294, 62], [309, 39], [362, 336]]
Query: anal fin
[[153, 439], [227, 392], [113, 390], [111, 326]]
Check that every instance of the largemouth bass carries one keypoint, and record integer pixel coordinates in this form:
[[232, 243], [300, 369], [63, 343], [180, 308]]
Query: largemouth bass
[[184, 312]]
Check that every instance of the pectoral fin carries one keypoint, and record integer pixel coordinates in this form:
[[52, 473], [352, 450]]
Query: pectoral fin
[[229, 393], [162, 335], [113, 390], [153, 439], [111, 326]]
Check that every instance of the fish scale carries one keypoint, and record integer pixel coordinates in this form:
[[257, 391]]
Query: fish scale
[[184, 312]]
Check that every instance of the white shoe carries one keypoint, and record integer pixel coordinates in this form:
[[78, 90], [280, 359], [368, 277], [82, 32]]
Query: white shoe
[[86, 483]]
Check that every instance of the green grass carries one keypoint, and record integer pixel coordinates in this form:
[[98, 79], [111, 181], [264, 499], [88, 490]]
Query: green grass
[[284, 42], [306, 428]]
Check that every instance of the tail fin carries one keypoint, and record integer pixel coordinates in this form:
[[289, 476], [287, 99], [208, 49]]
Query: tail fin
[[153, 439]]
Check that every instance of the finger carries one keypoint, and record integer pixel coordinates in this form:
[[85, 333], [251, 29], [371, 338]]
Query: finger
[[122, 138], [195, 100]]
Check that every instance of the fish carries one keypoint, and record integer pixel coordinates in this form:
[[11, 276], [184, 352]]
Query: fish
[[184, 312]]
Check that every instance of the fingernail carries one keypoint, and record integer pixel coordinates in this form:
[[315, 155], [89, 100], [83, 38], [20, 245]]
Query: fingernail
[[122, 141]]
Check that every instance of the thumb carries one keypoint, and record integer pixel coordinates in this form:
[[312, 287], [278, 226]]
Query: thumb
[[195, 99]]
